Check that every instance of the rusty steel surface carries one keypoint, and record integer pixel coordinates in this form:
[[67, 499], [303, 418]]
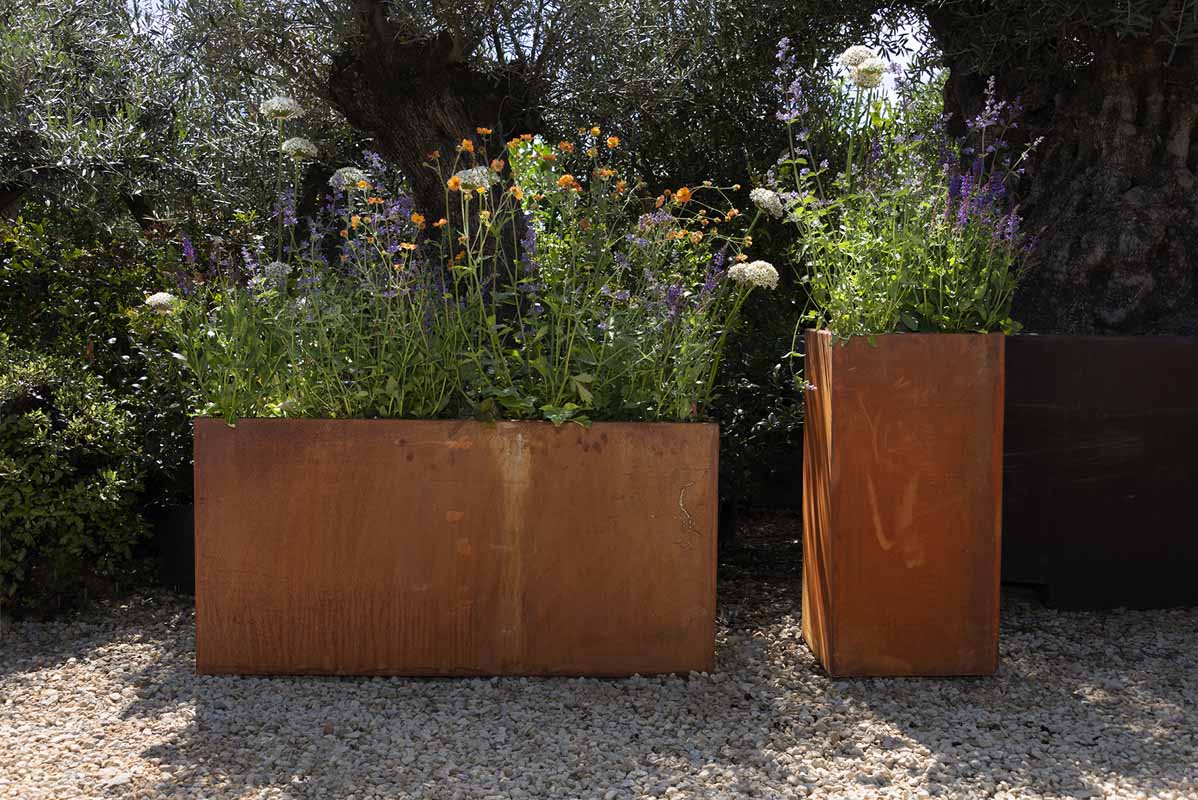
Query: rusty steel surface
[[397, 547], [902, 473]]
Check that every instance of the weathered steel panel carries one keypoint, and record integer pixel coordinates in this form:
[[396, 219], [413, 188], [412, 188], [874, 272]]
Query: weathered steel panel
[[398, 547], [902, 505]]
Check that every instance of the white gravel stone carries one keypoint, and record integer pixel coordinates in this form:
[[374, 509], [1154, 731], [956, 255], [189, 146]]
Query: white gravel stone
[[1085, 705]]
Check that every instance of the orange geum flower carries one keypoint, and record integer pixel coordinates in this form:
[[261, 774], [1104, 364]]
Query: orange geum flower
[[441, 223], [549, 156], [613, 142], [355, 221], [683, 195], [466, 146], [732, 212], [592, 152], [417, 219], [582, 131], [565, 147], [363, 185], [696, 237], [741, 257], [497, 165], [483, 131], [526, 137], [595, 131], [374, 201], [433, 156], [407, 245], [517, 193], [621, 185], [344, 233], [567, 181], [661, 201], [454, 183]]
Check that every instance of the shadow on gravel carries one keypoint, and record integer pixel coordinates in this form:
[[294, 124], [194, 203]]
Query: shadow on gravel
[[1074, 696], [1072, 689]]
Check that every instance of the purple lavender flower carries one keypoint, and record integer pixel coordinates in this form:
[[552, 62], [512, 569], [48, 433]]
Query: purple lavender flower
[[189, 251], [528, 245]]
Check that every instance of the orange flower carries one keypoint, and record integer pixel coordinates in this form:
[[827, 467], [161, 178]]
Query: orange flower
[[549, 156], [433, 156], [741, 257], [592, 152], [497, 165], [661, 201], [604, 172], [355, 221], [683, 195], [374, 201], [526, 137], [613, 142], [344, 233], [696, 237], [515, 140], [454, 183], [363, 185], [567, 181], [417, 219], [517, 193], [407, 246], [732, 212], [441, 223], [595, 131], [483, 131], [467, 146], [621, 185], [565, 147], [582, 131]]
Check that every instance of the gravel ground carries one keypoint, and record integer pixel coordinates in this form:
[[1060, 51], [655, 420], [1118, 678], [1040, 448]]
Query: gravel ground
[[1085, 705]]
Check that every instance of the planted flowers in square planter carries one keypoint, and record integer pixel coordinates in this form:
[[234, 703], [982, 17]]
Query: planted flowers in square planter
[[467, 447], [913, 253]]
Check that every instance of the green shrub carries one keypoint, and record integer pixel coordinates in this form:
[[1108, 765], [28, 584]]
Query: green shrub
[[70, 478]]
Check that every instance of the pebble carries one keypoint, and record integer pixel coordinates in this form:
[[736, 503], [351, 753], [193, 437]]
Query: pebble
[[1085, 705]]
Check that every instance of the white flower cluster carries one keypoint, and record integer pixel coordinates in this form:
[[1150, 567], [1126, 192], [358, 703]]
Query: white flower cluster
[[768, 201], [756, 273], [277, 271], [346, 178], [300, 149], [856, 55], [477, 178], [161, 302], [864, 66], [280, 108]]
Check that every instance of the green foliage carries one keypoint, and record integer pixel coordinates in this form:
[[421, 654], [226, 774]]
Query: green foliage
[[70, 477], [608, 316], [906, 236]]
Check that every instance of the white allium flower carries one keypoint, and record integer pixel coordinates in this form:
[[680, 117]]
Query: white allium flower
[[277, 271], [162, 302], [868, 74], [477, 178], [300, 149], [280, 108], [768, 201], [856, 55], [346, 178], [755, 273]]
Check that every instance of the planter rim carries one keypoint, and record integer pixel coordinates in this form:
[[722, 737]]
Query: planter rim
[[481, 423], [895, 334], [1168, 338]]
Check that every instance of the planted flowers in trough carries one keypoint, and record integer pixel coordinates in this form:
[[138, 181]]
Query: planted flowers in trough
[[466, 440]]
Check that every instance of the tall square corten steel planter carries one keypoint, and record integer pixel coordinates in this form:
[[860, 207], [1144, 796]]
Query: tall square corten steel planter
[[902, 478], [396, 547]]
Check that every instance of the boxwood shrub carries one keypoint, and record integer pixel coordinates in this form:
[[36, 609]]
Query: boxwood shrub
[[70, 478]]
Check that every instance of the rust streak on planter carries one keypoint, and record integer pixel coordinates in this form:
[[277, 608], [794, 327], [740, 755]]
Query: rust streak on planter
[[902, 503], [398, 547]]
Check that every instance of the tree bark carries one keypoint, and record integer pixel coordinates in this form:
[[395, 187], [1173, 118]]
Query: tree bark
[[1110, 192], [416, 96]]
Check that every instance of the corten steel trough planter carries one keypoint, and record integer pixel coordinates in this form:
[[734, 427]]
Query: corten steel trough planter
[[397, 547], [1101, 470], [902, 475]]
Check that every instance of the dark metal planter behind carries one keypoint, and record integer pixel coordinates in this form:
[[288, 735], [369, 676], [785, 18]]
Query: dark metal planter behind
[[1101, 475]]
